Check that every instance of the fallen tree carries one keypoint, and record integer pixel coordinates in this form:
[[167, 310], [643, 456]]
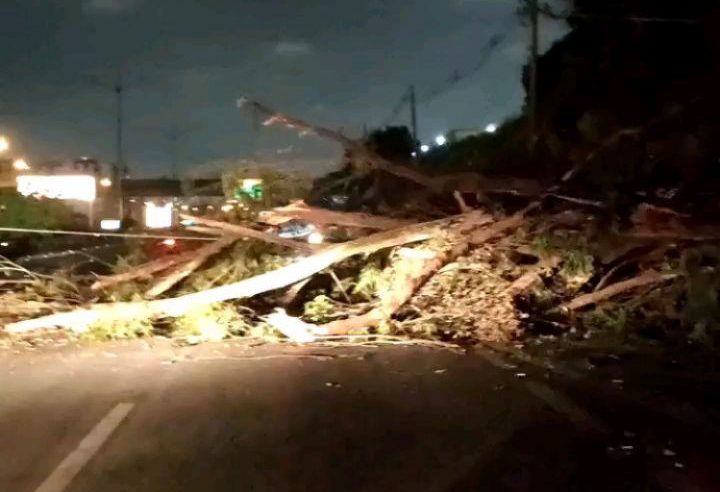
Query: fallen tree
[[276, 279]]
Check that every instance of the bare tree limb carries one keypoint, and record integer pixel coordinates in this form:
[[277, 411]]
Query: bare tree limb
[[320, 216], [251, 233], [183, 270], [143, 271], [646, 278]]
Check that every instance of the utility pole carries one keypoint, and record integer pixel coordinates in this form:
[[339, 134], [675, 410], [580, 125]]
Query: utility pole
[[120, 166], [413, 117], [534, 54], [119, 154]]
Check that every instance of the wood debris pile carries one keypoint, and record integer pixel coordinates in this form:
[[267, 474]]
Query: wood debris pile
[[533, 259]]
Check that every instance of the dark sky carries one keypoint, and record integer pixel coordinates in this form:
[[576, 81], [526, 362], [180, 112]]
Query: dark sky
[[341, 63]]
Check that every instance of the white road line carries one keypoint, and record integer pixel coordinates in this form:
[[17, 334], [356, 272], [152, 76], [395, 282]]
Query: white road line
[[561, 404], [577, 415], [61, 477]]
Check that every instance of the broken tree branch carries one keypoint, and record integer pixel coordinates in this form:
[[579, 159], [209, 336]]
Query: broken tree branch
[[357, 148], [647, 278], [251, 233], [320, 216], [143, 271], [463, 182], [415, 272], [183, 270]]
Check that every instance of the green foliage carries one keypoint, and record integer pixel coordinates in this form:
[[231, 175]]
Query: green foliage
[[106, 330], [28, 212], [320, 310], [244, 260], [211, 322], [372, 279], [577, 262], [616, 321], [542, 245]]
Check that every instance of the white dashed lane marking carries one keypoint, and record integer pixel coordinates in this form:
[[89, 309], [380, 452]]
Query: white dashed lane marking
[[73, 463], [580, 417]]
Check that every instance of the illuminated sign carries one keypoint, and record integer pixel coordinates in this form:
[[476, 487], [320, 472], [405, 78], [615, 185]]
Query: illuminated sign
[[250, 187], [158, 217], [71, 187]]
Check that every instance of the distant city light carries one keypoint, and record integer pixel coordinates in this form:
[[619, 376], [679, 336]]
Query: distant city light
[[424, 148], [491, 128], [21, 165], [4, 144], [106, 182], [110, 224], [158, 217], [413, 154], [440, 140], [69, 187]]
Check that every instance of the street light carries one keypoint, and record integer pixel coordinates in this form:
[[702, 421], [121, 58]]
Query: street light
[[21, 165], [491, 128], [440, 140], [4, 144], [106, 182], [424, 148]]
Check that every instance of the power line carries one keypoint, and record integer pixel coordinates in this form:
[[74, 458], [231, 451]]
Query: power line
[[106, 234], [458, 75], [396, 110]]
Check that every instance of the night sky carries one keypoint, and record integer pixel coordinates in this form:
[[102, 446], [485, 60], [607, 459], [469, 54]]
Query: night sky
[[342, 63]]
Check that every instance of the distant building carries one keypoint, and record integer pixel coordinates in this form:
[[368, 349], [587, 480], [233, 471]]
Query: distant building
[[157, 203]]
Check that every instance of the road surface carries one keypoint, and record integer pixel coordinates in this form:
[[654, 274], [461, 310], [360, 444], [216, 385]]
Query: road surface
[[224, 417]]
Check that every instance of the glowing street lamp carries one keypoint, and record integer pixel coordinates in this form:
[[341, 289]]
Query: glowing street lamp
[[424, 148], [440, 140], [491, 128], [106, 182], [4, 144], [21, 165]]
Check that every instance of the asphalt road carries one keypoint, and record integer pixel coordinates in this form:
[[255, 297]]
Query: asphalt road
[[227, 418]]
